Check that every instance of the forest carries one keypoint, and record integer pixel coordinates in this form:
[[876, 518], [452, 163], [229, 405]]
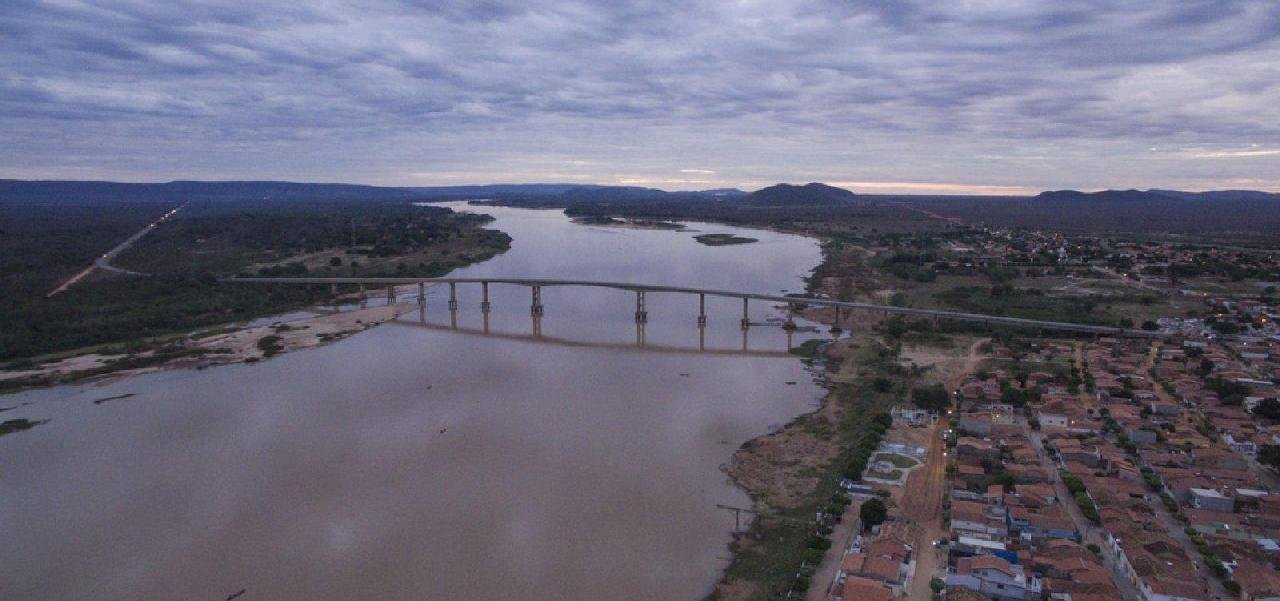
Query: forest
[[42, 244]]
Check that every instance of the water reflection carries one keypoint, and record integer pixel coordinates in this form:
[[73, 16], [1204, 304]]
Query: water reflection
[[550, 459], [536, 336]]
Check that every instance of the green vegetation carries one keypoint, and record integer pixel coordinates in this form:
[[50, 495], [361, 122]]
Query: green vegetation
[[18, 425], [269, 345], [1269, 455], [1087, 507], [808, 349], [872, 513], [931, 398], [780, 545], [43, 244], [1027, 303], [723, 239]]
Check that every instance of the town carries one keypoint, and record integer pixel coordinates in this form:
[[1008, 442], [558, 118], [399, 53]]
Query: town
[[1082, 468]]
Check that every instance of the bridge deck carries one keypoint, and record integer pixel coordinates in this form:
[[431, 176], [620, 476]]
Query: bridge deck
[[807, 300]]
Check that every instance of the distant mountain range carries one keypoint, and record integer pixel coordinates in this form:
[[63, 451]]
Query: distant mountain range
[[811, 194], [1153, 195]]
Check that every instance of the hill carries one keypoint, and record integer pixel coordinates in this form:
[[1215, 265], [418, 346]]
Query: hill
[[811, 194]]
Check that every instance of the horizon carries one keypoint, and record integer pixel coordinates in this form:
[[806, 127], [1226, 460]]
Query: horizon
[[993, 98], [860, 188]]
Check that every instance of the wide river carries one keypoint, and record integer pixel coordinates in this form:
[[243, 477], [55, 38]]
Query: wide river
[[417, 460]]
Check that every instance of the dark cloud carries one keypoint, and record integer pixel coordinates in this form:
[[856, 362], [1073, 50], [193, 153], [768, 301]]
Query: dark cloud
[[417, 91]]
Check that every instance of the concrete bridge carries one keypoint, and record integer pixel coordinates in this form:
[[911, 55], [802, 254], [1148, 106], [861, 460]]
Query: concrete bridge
[[641, 313]]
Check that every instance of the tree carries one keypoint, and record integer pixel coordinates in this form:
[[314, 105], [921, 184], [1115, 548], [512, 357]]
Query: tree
[[1269, 454], [937, 585], [873, 513], [1268, 408], [931, 398]]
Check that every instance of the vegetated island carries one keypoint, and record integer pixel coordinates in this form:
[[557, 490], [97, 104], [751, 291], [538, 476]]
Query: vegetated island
[[18, 425], [646, 224], [723, 239]]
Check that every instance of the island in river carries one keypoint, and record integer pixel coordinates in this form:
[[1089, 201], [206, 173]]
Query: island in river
[[723, 239]]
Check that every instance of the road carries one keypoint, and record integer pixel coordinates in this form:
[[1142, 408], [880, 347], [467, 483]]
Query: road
[[538, 283], [926, 485], [104, 262], [1089, 532], [841, 537]]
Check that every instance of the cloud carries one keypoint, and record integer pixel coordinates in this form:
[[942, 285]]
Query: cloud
[[1237, 154], [389, 90]]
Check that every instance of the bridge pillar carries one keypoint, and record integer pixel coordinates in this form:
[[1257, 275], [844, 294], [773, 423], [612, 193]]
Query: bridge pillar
[[642, 316], [702, 310], [746, 321], [640, 338], [453, 296], [835, 325], [422, 294], [364, 297], [790, 324], [536, 308], [391, 295], [484, 299]]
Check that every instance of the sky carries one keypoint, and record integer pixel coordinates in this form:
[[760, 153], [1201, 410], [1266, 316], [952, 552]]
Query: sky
[[887, 96]]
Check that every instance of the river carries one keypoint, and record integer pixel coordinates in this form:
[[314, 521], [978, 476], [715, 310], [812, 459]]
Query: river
[[419, 461]]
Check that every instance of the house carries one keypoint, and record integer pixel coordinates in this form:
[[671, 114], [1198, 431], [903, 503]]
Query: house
[[993, 576], [1142, 436], [1257, 582], [1211, 500], [979, 520], [913, 416], [974, 447], [975, 423], [882, 569], [1035, 495], [856, 588], [1052, 421]]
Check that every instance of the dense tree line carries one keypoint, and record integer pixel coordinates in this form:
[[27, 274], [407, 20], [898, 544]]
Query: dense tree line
[[44, 244]]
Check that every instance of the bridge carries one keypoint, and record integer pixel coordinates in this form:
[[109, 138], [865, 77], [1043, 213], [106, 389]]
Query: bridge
[[641, 313]]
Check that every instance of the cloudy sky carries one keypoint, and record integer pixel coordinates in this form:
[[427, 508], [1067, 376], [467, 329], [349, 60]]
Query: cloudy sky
[[963, 96]]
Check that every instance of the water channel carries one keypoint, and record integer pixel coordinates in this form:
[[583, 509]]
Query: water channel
[[423, 459]]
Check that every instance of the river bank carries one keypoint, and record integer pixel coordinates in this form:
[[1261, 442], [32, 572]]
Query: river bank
[[220, 346]]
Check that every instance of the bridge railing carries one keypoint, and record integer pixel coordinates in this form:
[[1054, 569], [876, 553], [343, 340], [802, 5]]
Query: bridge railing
[[538, 283]]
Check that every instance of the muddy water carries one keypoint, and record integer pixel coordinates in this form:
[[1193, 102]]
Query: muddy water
[[420, 461]]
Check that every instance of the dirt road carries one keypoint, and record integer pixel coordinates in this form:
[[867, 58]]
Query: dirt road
[[922, 496]]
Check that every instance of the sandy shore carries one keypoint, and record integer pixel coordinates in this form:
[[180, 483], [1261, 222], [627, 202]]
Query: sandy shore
[[238, 345]]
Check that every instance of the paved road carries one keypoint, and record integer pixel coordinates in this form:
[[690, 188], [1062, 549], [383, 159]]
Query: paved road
[[104, 262], [538, 283]]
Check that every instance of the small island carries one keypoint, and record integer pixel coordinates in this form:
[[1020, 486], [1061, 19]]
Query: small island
[[723, 239], [644, 224]]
